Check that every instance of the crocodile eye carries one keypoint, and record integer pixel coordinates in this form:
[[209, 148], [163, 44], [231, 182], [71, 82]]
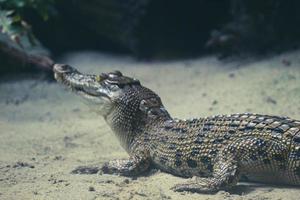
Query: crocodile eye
[[118, 73], [98, 78], [115, 73]]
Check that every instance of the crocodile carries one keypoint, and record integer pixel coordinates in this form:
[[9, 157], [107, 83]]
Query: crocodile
[[213, 152]]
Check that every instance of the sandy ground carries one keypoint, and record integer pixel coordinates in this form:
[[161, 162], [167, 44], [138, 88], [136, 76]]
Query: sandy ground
[[46, 132]]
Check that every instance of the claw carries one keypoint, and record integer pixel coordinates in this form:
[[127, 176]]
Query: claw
[[105, 168], [177, 188], [85, 170], [193, 188]]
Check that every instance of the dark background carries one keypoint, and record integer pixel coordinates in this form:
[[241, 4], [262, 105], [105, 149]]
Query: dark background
[[165, 29]]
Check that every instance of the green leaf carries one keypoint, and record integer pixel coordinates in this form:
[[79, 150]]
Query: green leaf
[[5, 21], [16, 18], [12, 20]]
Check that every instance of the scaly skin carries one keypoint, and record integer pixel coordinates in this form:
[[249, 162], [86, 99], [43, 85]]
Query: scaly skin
[[216, 150]]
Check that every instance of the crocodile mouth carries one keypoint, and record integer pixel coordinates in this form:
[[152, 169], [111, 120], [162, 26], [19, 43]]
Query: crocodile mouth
[[88, 86]]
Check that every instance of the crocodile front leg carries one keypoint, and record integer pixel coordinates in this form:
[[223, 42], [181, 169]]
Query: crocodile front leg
[[133, 166]]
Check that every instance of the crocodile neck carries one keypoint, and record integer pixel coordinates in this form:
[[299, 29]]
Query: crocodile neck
[[136, 116]]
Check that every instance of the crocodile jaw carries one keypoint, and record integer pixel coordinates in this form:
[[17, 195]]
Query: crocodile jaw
[[89, 87]]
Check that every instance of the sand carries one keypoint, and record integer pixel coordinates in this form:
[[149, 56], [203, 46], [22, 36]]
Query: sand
[[46, 132]]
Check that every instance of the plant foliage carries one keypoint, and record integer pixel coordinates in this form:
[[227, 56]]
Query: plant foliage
[[12, 14]]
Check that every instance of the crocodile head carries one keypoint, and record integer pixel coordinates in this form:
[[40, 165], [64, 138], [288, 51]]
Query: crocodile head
[[126, 105], [100, 91]]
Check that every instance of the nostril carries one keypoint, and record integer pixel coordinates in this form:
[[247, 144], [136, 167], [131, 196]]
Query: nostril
[[62, 68]]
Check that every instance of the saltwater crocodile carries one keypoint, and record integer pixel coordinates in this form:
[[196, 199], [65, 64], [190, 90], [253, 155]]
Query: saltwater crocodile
[[217, 151]]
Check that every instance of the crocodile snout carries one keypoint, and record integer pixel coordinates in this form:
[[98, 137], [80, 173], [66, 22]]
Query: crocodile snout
[[62, 68]]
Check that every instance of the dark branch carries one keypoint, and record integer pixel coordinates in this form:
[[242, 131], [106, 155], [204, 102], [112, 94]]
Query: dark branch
[[40, 62]]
